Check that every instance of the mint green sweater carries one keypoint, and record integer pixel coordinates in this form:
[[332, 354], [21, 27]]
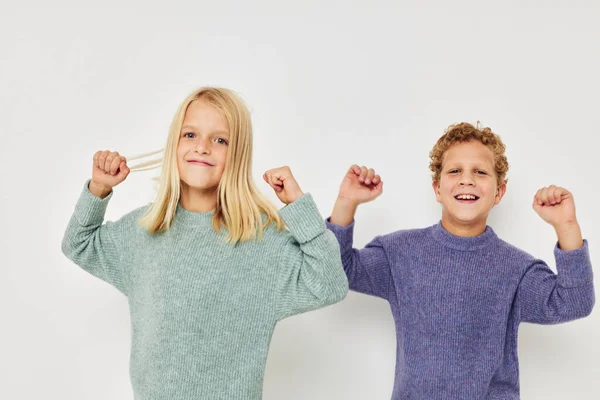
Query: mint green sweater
[[203, 311]]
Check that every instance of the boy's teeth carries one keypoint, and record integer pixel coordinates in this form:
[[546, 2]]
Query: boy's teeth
[[466, 197]]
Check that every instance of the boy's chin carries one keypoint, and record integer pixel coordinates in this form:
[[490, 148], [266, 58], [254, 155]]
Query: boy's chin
[[469, 220]]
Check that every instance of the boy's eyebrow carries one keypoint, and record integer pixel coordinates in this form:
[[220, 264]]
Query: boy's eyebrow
[[458, 164]]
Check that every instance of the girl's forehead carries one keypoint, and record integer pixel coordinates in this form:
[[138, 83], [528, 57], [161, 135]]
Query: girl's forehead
[[201, 113]]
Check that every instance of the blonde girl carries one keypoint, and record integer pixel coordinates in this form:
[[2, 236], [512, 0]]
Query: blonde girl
[[210, 266]]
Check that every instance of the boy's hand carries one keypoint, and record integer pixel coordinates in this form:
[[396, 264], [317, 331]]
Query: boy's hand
[[284, 184], [109, 169], [360, 185], [556, 206]]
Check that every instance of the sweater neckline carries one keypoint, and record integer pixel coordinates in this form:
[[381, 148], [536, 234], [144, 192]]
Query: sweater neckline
[[193, 218], [461, 242]]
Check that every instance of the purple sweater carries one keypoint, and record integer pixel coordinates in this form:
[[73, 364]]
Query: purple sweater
[[457, 303]]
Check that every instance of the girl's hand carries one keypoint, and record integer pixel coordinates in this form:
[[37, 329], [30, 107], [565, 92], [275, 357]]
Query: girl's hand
[[109, 169], [284, 184]]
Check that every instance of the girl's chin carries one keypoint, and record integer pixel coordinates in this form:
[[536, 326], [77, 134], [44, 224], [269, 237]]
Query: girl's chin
[[197, 186]]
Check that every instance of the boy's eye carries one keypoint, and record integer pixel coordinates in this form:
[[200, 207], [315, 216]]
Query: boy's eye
[[453, 171], [481, 172]]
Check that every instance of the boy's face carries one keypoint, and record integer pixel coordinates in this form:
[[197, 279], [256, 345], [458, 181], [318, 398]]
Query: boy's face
[[468, 188]]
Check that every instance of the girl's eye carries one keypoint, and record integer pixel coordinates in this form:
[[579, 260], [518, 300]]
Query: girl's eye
[[188, 134], [221, 141]]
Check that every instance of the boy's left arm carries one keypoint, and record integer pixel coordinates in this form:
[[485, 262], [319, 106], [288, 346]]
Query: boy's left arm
[[548, 298]]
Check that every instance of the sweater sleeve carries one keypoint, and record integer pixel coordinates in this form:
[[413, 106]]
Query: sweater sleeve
[[368, 269], [310, 269], [548, 298], [96, 247]]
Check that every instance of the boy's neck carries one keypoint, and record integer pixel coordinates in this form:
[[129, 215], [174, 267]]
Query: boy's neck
[[461, 229], [198, 200]]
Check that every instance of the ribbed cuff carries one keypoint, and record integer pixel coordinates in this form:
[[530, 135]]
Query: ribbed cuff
[[303, 219], [574, 266], [343, 234], [90, 209]]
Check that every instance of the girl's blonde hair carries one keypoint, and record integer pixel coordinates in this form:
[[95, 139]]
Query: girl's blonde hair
[[240, 206]]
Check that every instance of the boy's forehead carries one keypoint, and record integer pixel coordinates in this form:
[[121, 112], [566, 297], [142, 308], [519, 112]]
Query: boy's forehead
[[472, 152]]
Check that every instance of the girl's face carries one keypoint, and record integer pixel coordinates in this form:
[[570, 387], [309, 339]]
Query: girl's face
[[202, 148]]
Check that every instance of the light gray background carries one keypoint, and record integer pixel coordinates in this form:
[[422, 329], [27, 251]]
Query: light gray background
[[330, 83]]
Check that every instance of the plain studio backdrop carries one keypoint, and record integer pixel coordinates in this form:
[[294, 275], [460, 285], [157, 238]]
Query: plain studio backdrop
[[329, 83]]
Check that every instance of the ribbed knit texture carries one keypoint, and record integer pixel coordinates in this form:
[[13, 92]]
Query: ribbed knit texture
[[202, 310], [457, 303]]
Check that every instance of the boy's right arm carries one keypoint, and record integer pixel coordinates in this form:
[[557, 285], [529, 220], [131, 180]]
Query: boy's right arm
[[368, 269], [89, 243]]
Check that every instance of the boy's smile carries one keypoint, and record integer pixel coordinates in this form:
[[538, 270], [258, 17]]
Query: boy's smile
[[467, 198]]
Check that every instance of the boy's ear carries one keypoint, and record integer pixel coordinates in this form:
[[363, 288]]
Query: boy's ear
[[436, 189], [500, 192]]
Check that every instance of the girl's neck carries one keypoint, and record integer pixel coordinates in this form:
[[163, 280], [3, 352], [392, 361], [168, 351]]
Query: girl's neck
[[197, 200]]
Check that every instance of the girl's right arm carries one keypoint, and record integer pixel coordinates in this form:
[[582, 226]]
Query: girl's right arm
[[368, 269], [89, 243]]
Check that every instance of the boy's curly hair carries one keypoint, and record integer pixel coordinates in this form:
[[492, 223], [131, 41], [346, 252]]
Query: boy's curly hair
[[465, 132]]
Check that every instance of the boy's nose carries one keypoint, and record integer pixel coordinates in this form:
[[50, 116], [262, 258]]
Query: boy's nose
[[467, 180]]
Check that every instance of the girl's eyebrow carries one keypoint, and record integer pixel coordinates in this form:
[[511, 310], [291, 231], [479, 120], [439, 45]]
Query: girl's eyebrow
[[220, 132]]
